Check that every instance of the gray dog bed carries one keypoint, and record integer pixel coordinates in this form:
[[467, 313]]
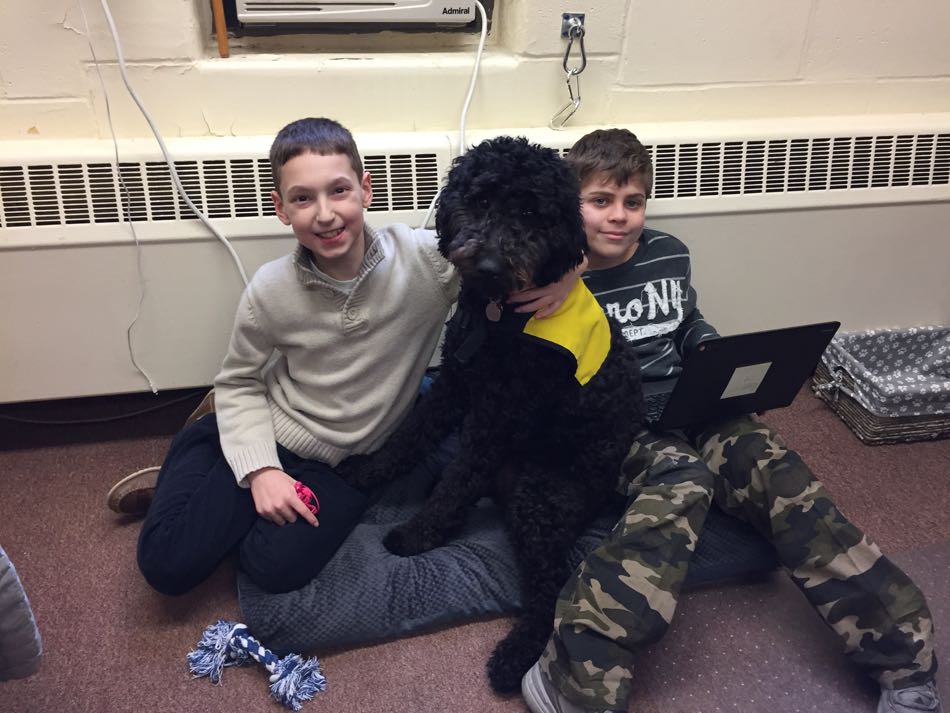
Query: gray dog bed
[[365, 594]]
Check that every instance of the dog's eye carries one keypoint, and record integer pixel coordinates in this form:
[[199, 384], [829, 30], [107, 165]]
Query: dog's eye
[[483, 203], [527, 212]]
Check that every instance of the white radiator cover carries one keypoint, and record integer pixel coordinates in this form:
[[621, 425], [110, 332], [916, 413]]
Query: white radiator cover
[[787, 222]]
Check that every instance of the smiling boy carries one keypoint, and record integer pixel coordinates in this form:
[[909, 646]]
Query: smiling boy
[[613, 218], [324, 205]]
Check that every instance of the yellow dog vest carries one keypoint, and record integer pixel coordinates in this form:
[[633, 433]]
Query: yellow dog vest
[[579, 328]]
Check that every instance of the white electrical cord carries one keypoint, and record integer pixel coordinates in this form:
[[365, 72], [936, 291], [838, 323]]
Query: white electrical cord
[[468, 101], [161, 143], [471, 84], [123, 205]]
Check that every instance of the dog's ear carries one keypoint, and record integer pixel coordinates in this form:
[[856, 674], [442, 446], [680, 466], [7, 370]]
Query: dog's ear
[[448, 203], [457, 186]]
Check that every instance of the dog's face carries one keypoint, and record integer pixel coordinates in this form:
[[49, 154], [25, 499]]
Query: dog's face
[[509, 217]]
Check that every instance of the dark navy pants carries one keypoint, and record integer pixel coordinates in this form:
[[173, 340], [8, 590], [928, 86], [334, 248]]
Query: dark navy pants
[[200, 515]]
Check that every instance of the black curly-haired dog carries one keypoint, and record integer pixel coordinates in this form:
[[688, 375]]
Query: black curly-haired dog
[[543, 426]]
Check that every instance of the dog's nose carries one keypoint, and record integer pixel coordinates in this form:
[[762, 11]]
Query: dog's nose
[[489, 268]]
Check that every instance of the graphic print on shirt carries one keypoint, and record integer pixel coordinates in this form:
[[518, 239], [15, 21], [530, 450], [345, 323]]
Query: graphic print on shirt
[[657, 310]]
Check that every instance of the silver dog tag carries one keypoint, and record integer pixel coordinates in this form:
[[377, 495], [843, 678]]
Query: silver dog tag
[[493, 311]]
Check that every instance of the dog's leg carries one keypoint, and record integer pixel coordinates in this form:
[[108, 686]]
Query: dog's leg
[[465, 480], [544, 514], [429, 422], [441, 516]]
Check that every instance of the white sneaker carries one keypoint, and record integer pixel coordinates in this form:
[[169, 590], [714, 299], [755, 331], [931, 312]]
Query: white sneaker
[[542, 697], [133, 494], [910, 700]]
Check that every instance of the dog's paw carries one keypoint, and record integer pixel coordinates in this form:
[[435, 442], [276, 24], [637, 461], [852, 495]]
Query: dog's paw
[[512, 658], [405, 542]]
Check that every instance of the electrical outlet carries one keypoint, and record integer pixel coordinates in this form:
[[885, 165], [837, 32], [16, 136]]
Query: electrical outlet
[[568, 20]]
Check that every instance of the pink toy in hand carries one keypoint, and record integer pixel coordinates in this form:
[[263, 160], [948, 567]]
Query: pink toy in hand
[[307, 496]]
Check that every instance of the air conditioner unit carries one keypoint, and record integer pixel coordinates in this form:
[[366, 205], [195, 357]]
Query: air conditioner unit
[[315, 11]]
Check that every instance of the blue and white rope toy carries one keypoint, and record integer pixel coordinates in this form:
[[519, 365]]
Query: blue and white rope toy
[[293, 680]]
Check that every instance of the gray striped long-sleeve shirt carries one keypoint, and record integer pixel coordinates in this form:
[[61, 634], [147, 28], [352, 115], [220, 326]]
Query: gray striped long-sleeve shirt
[[651, 298]]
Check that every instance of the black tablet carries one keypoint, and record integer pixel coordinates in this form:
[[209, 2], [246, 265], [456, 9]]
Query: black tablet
[[744, 373]]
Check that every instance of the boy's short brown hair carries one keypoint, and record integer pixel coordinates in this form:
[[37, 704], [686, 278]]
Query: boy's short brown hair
[[320, 136], [616, 152]]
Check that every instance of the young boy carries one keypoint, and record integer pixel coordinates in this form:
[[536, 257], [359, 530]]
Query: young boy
[[627, 589], [335, 313]]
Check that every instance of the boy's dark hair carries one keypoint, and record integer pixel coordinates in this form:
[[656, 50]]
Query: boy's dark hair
[[320, 136], [617, 152]]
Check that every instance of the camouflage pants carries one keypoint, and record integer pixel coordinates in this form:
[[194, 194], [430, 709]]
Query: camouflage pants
[[625, 592]]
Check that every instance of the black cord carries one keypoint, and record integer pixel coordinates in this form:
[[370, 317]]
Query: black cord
[[104, 419]]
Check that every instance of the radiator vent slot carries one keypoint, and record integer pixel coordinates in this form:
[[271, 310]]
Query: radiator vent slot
[[65, 194], [48, 194], [402, 181], [799, 165]]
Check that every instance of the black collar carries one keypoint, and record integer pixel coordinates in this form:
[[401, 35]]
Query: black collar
[[471, 318]]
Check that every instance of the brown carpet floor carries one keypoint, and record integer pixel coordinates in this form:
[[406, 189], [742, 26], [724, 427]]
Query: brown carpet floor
[[112, 644]]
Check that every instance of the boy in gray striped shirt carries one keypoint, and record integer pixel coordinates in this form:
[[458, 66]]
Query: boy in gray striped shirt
[[626, 591]]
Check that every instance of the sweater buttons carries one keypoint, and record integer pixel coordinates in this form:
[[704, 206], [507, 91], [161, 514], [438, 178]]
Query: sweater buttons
[[354, 318]]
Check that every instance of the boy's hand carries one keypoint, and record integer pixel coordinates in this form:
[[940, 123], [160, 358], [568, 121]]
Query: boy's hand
[[545, 301], [276, 499]]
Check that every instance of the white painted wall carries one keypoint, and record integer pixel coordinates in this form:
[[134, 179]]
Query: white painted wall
[[650, 60]]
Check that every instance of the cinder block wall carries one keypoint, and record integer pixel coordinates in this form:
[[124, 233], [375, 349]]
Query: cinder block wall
[[649, 60]]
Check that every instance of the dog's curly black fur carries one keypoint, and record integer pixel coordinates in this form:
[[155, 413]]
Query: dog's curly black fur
[[546, 448]]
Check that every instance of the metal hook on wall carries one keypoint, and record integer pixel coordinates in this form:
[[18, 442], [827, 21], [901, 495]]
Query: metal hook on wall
[[572, 28]]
